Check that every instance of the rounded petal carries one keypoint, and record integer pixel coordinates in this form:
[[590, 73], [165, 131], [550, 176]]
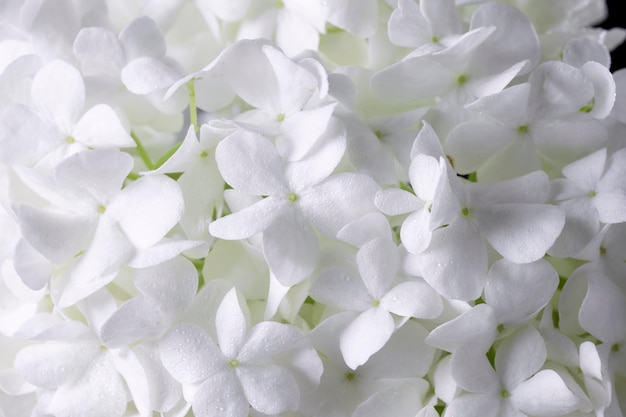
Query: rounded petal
[[147, 209], [101, 128], [53, 364], [413, 299], [58, 93], [520, 356], [290, 247], [270, 389], [146, 74], [189, 354], [472, 371], [249, 221], [220, 395], [366, 335], [231, 324], [476, 326], [516, 292], [250, 163], [455, 262], [269, 338], [603, 310], [521, 233], [378, 262], [544, 395], [341, 288], [99, 52], [142, 37], [345, 197]]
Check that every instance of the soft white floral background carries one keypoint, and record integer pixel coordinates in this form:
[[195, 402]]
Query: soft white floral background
[[318, 208]]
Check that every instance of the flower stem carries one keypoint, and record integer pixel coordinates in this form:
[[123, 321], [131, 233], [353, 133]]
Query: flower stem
[[193, 109], [143, 154]]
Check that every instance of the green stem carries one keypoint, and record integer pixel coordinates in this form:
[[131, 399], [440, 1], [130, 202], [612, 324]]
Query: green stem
[[142, 152], [193, 109]]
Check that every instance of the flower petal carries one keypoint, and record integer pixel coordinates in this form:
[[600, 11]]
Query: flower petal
[[366, 335], [521, 233], [231, 324], [220, 395], [58, 93], [413, 299], [270, 389], [520, 356], [250, 163], [378, 262], [518, 291], [100, 127], [189, 354], [249, 221], [148, 208], [290, 247], [146, 74], [544, 395]]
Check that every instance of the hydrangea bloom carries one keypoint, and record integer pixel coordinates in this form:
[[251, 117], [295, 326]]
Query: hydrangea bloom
[[311, 208]]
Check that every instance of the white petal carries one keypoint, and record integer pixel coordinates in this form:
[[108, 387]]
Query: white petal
[[58, 93], [142, 37], [249, 221], [399, 83], [406, 355], [189, 354], [250, 163], [521, 233], [294, 33], [320, 162], [98, 265], [474, 405], [300, 132], [146, 74], [399, 401], [407, 25], [58, 237], [477, 326], [603, 311], [424, 173], [415, 232], [231, 325], [472, 371], [544, 395], [290, 247], [394, 201], [101, 128], [366, 335], [513, 41], [101, 172], [99, 52], [604, 85], [296, 84], [378, 263], [611, 207], [368, 227], [221, 396], [357, 17], [518, 291], [172, 284], [101, 390], [134, 374], [346, 197], [455, 263], [50, 365], [136, 319], [341, 288], [34, 269], [270, 389], [520, 356], [413, 299], [269, 338], [148, 208]]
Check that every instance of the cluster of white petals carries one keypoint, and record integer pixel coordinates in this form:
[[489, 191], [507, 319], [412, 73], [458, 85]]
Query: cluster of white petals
[[311, 208]]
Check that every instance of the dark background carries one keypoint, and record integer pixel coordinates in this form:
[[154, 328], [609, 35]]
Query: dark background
[[616, 19]]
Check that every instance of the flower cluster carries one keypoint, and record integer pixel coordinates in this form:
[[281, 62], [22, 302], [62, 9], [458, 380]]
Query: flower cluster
[[311, 208]]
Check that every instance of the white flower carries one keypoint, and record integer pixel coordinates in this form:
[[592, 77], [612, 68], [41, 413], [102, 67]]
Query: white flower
[[258, 368]]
